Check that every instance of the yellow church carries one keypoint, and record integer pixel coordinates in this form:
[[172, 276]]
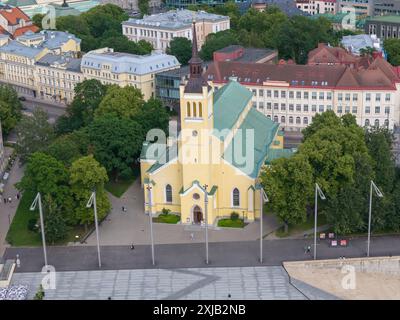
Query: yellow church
[[217, 157]]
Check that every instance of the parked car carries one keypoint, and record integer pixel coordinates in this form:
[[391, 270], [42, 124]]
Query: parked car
[[5, 176]]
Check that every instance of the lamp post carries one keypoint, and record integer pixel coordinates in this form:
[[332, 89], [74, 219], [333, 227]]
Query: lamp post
[[263, 199], [206, 218], [151, 222], [380, 195], [92, 202], [38, 200], [319, 192]]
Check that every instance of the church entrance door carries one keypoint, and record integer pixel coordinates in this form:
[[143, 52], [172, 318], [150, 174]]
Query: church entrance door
[[197, 215]]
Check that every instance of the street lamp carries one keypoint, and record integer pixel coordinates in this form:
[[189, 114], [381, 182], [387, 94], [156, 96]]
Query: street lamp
[[151, 222], [90, 203], [319, 192], [263, 199], [380, 195], [38, 200], [206, 218]]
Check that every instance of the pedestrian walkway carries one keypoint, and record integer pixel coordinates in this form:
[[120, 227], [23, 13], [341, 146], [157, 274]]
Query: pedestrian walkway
[[133, 226], [7, 210], [266, 283]]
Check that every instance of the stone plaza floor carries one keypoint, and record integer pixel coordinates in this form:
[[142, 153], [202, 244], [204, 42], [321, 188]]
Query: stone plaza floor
[[266, 283]]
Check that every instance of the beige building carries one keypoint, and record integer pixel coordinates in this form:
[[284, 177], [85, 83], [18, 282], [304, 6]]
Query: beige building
[[57, 76], [318, 6], [17, 66], [160, 29], [125, 69], [292, 94]]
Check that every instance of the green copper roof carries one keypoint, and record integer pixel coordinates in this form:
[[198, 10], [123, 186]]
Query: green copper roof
[[278, 153], [390, 19], [229, 103], [247, 158], [170, 154]]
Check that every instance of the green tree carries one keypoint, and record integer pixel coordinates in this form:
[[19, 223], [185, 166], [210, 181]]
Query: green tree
[[37, 20], [34, 133], [10, 108], [87, 98], [64, 148], [48, 176], [116, 143], [392, 48], [55, 225], [123, 102], [86, 175], [147, 119], [216, 41], [181, 48], [289, 184], [144, 6], [321, 120]]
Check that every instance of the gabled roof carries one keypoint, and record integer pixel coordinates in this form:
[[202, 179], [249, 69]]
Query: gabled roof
[[170, 154], [263, 134], [21, 31], [14, 15], [229, 103]]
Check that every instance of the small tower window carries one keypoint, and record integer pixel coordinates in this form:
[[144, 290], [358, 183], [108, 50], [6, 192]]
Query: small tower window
[[188, 109], [200, 110], [236, 197], [168, 193], [194, 109]]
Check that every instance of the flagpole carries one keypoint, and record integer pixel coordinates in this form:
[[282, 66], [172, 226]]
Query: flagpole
[[38, 200]]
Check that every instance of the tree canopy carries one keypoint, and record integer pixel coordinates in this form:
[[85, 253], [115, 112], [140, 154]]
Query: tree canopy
[[10, 108], [181, 48]]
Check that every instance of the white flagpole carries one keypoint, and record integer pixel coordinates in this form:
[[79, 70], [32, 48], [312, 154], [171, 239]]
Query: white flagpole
[[38, 200]]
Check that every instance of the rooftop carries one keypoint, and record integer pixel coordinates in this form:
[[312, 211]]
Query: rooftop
[[249, 54], [175, 19], [60, 61], [13, 15], [390, 19], [129, 63], [15, 47]]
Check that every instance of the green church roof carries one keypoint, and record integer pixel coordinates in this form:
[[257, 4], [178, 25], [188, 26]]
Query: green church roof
[[263, 134], [229, 103]]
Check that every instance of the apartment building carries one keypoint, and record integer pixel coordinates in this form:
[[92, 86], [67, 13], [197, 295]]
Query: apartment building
[[359, 7], [318, 6], [386, 7], [125, 69], [293, 94], [57, 76], [384, 27], [160, 29], [57, 42], [14, 22], [17, 66]]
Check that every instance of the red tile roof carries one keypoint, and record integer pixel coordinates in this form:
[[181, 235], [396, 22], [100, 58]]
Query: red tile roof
[[13, 15], [378, 75], [21, 31]]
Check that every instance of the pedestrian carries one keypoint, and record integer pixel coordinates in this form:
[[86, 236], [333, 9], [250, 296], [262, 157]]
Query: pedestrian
[[132, 247], [18, 196], [17, 261], [9, 199], [308, 249], [5, 200], [192, 236]]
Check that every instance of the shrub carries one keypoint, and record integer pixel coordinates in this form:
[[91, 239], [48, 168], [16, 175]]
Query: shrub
[[234, 215], [32, 225], [39, 294], [165, 211]]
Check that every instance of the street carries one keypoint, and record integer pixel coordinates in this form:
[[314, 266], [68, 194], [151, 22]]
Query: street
[[192, 255]]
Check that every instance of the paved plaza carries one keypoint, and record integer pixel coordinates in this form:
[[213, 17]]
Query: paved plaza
[[194, 283]]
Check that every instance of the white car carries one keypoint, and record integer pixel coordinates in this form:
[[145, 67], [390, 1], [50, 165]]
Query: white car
[[5, 176]]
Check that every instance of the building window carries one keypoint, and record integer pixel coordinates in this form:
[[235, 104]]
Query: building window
[[168, 193], [305, 120], [188, 110], [354, 109], [298, 94], [339, 109], [329, 96], [321, 108], [268, 93], [283, 106], [366, 122], [306, 95], [378, 97], [314, 95], [283, 119], [347, 98], [194, 110], [347, 109], [305, 108], [368, 97], [276, 94], [387, 97], [268, 105], [200, 110], [377, 109], [276, 106], [291, 94], [298, 121], [290, 119], [236, 197], [355, 96], [387, 123], [275, 118], [283, 94], [387, 110], [367, 109], [377, 123], [261, 92], [298, 107], [291, 107], [321, 96], [340, 96]]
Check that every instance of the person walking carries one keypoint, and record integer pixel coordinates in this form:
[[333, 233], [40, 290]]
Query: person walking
[[191, 236]]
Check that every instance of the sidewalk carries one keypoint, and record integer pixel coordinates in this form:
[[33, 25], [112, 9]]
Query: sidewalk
[[7, 211]]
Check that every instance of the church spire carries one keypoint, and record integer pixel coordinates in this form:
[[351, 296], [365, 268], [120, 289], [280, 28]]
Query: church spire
[[195, 62]]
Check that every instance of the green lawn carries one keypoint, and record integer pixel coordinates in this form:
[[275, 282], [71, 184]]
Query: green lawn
[[229, 223], [119, 188], [167, 218], [307, 225], [20, 236]]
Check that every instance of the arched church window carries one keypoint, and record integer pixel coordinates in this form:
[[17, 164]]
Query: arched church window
[[168, 193], [200, 110], [194, 110], [188, 109], [236, 197]]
